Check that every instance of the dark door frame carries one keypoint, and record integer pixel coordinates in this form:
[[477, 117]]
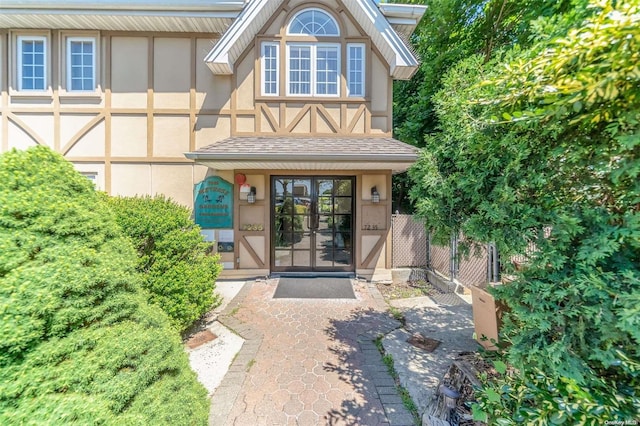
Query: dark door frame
[[314, 217]]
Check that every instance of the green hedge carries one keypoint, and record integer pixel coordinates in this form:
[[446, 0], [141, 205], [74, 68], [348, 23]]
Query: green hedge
[[78, 342], [177, 268]]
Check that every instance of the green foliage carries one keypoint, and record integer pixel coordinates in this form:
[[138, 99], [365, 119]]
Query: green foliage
[[450, 32], [78, 343], [289, 222], [533, 397], [541, 145], [177, 268]]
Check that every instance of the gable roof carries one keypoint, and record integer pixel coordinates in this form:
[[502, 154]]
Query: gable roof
[[402, 63], [201, 16]]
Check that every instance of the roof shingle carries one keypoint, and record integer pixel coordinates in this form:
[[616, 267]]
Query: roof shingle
[[309, 146]]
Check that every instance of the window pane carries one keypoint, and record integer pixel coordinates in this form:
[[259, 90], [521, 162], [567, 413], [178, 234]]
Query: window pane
[[355, 69], [81, 60], [314, 22], [270, 69], [300, 70], [327, 70], [32, 65]]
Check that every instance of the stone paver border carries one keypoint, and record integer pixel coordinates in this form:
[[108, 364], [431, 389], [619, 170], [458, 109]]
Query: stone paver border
[[396, 412], [223, 399], [225, 395]]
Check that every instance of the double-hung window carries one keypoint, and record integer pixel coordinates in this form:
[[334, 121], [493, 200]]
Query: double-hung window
[[327, 70], [32, 63], [314, 69], [270, 75], [81, 64], [355, 69]]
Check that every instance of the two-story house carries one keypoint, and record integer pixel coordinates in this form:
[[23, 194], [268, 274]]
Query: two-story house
[[272, 119]]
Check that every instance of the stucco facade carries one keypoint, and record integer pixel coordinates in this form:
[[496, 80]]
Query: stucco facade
[[159, 90]]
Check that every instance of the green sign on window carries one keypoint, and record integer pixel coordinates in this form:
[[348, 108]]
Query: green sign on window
[[213, 203]]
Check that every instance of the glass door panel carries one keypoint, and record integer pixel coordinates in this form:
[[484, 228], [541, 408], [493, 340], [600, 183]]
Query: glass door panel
[[312, 223]]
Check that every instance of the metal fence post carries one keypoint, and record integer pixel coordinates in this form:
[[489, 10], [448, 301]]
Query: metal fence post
[[428, 254], [454, 263], [493, 263], [393, 248]]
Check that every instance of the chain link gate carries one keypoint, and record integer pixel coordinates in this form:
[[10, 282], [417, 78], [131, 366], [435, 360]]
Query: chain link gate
[[412, 247], [409, 242]]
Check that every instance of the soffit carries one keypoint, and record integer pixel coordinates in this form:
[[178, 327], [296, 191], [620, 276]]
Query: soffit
[[240, 35], [403, 17], [117, 15]]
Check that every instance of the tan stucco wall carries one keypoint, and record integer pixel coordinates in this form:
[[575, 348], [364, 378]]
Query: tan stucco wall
[[157, 99], [303, 115], [371, 245]]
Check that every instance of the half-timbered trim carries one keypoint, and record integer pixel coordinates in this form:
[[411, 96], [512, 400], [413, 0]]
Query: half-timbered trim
[[123, 93]]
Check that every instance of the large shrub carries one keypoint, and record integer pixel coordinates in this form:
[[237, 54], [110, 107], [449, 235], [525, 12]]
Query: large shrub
[[542, 145], [177, 268], [78, 342]]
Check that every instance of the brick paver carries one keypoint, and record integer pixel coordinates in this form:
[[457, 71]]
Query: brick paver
[[308, 362]]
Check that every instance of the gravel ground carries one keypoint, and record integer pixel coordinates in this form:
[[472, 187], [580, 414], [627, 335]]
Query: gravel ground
[[211, 360]]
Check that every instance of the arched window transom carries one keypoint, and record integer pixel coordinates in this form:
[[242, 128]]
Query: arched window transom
[[313, 22]]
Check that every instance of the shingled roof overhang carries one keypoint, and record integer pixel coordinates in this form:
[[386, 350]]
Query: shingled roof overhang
[[201, 16], [297, 153], [402, 63]]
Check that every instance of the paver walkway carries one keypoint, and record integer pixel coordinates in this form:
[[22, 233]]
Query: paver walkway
[[308, 362]]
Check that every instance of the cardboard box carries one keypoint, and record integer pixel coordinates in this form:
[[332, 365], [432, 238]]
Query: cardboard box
[[487, 316]]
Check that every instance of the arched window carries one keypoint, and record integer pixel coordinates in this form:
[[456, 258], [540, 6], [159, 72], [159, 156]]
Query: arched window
[[312, 61], [313, 22]]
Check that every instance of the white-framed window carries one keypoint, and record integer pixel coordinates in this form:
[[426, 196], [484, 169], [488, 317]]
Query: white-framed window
[[92, 177], [327, 70], [81, 64], [299, 70], [313, 22], [355, 69], [270, 69], [32, 63], [311, 59], [313, 69]]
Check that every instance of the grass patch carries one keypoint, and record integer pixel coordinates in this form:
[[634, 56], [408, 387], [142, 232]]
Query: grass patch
[[404, 394], [397, 314], [250, 364], [405, 290], [234, 311]]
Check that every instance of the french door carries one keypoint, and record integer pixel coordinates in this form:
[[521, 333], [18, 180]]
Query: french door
[[312, 223]]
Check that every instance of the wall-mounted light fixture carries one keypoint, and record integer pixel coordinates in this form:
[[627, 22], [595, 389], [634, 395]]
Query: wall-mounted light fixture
[[251, 196], [375, 195]]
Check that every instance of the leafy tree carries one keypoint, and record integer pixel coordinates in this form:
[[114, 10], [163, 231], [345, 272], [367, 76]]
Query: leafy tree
[[178, 270], [451, 31], [542, 145], [78, 342]]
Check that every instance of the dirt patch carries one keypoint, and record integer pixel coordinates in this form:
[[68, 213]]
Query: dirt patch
[[406, 289], [200, 339], [422, 342], [472, 365]]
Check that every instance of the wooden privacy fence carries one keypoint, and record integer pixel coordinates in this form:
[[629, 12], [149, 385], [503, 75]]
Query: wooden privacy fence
[[411, 247]]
